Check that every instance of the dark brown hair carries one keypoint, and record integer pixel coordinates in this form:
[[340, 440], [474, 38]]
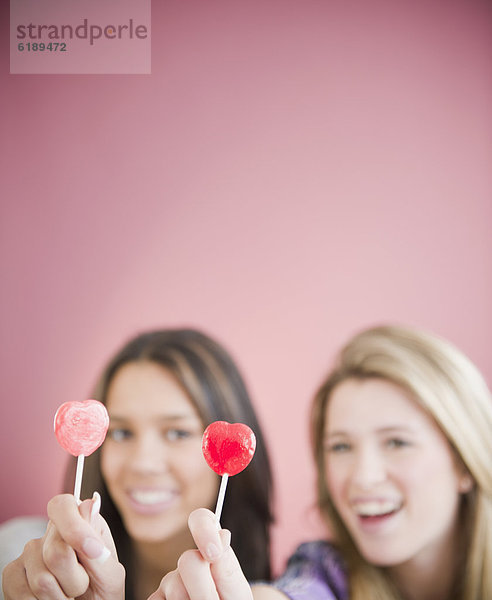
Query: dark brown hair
[[213, 382]]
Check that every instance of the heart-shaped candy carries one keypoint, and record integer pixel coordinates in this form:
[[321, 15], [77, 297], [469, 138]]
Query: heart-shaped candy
[[228, 447], [80, 427]]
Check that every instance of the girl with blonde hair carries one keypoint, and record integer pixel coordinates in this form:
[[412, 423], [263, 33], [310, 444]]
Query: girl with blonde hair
[[452, 394], [401, 433]]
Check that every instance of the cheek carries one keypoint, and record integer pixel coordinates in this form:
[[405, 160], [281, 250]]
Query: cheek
[[336, 480], [210, 483], [192, 467], [112, 460], [201, 483], [436, 475], [187, 462]]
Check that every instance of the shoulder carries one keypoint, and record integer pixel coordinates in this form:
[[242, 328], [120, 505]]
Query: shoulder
[[14, 534], [315, 570], [318, 551]]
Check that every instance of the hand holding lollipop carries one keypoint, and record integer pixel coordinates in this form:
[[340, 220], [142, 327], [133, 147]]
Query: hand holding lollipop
[[228, 449], [80, 428]]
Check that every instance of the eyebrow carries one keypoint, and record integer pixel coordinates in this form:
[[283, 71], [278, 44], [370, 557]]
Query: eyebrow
[[163, 418], [387, 429]]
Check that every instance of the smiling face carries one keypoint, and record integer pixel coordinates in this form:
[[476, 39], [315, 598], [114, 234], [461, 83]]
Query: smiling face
[[391, 473], [152, 460]]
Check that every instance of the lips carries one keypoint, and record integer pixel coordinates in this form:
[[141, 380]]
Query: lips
[[376, 516]]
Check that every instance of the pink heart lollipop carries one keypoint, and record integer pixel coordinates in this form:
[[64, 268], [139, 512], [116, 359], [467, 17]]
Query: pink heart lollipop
[[228, 449], [80, 428]]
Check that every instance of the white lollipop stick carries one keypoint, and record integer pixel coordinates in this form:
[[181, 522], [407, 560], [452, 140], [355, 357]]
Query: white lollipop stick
[[220, 499], [78, 477]]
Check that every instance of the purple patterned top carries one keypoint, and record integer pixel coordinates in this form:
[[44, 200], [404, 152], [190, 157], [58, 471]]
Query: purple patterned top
[[314, 572]]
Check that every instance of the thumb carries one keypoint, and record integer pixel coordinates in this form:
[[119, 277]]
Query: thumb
[[90, 512], [83, 528], [226, 571], [106, 573], [214, 545]]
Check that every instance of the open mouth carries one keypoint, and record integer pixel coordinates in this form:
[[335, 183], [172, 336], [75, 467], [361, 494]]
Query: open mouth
[[151, 497], [152, 501], [373, 510]]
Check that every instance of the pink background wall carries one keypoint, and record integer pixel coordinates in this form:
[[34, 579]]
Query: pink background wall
[[291, 171]]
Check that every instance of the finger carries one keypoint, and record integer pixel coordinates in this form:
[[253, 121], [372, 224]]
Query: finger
[[106, 574], [63, 511], [107, 578], [210, 540], [205, 530], [196, 576], [89, 509], [214, 546], [40, 581], [171, 588], [60, 561], [14, 581], [228, 575]]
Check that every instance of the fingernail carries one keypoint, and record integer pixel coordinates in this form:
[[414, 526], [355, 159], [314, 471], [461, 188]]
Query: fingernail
[[96, 507], [95, 550], [225, 537], [212, 552]]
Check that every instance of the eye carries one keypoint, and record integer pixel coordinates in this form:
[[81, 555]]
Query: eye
[[338, 447], [174, 435], [119, 434], [396, 443]]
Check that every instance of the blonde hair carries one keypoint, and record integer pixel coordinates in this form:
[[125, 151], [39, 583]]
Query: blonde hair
[[453, 392]]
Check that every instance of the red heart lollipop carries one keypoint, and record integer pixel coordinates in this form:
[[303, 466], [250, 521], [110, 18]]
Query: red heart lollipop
[[228, 448], [80, 427]]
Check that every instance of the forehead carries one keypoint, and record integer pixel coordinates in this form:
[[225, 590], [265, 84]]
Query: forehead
[[356, 405], [140, 389]]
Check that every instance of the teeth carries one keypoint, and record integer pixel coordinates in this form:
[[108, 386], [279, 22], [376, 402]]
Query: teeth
[[151, 497], [375, 508]]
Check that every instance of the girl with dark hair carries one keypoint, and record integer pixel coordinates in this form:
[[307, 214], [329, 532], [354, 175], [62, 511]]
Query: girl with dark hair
[[161, 390]]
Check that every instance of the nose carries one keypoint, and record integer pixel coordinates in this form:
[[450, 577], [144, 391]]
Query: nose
[[150, 454], [369, 468]]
